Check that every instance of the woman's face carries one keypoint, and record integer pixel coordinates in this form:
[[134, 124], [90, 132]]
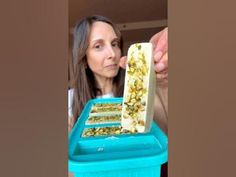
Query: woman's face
[[103, 53]]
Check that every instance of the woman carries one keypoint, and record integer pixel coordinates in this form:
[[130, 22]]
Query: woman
[[97, 72]]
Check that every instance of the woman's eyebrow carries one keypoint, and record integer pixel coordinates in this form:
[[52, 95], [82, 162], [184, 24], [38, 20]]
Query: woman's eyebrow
[[115, 40], [96, 40], [101, 40]]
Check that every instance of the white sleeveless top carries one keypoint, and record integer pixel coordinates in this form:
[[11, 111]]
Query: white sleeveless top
[[70, 100]]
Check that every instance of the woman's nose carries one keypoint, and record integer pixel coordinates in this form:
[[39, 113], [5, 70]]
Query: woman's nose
[[110, 52]]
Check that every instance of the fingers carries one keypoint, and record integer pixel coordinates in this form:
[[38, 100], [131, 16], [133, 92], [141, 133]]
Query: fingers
[[123, 62], [160, 41], [161, 68], [156, 37], [157, 56], [160, 54], [161, 64], [162, 83], [154, 40], [161, 76]]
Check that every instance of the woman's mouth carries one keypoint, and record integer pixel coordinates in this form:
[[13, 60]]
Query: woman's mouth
[[111, 66]]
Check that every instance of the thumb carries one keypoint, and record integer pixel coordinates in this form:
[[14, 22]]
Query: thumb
[[123, 62]]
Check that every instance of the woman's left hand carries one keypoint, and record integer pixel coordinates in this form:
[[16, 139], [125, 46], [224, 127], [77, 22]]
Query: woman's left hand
[[123, 61], [160, 53]]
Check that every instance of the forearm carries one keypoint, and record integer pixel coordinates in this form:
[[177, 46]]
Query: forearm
[[162, 93], [161, 108]]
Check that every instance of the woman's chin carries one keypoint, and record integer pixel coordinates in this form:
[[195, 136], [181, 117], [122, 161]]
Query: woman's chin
[[111, 73]]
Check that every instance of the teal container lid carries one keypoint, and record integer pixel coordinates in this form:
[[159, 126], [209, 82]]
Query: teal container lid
[[114, 152]]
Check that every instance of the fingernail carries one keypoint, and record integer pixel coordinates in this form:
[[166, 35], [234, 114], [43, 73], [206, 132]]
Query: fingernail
[[157, 56], [160, 66]]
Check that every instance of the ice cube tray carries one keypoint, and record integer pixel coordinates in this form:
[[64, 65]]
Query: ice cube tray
[[116, 155]]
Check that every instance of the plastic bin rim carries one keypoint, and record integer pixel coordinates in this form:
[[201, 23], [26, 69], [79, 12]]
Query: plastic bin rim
[[118, 163]]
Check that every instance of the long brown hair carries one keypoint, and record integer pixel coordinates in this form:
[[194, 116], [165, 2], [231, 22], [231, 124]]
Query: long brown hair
[[84, 83]]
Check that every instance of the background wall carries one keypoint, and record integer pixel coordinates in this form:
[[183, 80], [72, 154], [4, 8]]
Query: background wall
[[138, 20]]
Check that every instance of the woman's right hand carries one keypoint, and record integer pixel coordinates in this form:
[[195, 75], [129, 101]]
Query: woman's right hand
[[160, 54]]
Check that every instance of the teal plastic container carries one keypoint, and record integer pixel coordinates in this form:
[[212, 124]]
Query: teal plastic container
[[126, 155]]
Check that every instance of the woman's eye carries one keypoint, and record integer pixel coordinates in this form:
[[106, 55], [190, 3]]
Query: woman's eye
[[115, 44], [98, 46]]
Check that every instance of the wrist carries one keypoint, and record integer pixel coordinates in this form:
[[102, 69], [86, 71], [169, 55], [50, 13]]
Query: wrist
[[162, 92]]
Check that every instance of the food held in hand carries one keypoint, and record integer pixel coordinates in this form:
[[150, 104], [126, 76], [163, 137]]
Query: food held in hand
[[138, 99]]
